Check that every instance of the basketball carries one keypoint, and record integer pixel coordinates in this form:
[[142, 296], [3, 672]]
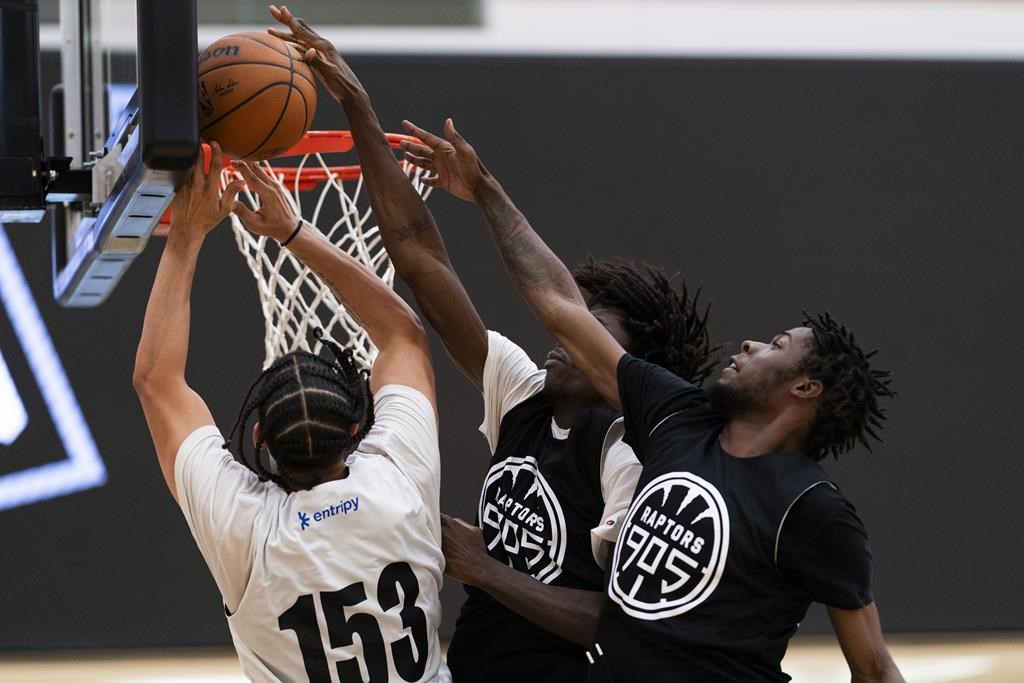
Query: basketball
[[257, 95]]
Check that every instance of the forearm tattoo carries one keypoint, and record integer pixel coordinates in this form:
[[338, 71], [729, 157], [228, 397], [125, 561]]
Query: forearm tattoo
[[412, 229], [529, 261]]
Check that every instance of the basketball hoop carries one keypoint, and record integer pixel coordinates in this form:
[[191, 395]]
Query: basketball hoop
[[330, 198]]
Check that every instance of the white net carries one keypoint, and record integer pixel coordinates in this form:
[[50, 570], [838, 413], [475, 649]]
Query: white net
[[294, 300]]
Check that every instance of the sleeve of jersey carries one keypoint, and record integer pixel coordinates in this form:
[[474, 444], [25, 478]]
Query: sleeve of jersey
[[649, 394], [221, 500], [823, 548], [620, 471], [405, 432], [510, 377]]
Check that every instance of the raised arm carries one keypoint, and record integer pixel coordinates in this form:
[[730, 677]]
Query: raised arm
[[859, 633], [403, 351], [542, 279], [173, 410], [406, 225]]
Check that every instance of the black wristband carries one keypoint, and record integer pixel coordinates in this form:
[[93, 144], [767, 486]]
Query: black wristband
[[294, 233]]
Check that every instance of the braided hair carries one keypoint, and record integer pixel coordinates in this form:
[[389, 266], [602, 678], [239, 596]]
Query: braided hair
[[306, 406], [666, 326], [849, 412]]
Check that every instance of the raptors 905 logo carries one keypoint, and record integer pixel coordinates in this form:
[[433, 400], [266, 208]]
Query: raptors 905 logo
[[521, 519], [672, 549]]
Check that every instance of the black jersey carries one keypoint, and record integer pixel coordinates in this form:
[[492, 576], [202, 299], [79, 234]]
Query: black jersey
[[698, 590], [541, 499]]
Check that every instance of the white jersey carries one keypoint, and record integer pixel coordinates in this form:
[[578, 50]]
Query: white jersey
[[339, 583]]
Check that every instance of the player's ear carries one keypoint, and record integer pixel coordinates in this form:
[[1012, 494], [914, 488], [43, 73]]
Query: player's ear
[[257, 435], [807, 388], [354, 429]]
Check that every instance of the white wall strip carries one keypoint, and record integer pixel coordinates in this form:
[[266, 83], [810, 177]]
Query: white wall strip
[[853, 29]]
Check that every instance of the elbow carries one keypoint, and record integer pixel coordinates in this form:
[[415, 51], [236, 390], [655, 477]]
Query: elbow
[[141, 378], [142, 381], [406, 329], [558, 314], [419, 270], [145, 379], [408, 269], [414, 331]]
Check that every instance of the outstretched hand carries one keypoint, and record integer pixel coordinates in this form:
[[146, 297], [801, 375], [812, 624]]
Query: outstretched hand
[[320, 54], [464, 551], [454, 162], [275, 218], [200, 205]]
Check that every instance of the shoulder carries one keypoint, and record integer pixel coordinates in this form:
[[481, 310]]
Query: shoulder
[[404, 432], [818, 514], [823, 547], [400, 400], [503, 353], [641, 380], [401, 414], [822, 500], [204, 447]]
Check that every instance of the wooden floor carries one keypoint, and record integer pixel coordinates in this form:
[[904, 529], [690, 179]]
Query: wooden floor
[[922, 659]]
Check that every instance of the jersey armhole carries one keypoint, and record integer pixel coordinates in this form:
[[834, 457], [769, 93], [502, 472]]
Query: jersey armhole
[[616, 430], [503, 357], [778, 532]]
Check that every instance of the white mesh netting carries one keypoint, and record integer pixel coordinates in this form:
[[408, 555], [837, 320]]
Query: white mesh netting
[[293, 298]]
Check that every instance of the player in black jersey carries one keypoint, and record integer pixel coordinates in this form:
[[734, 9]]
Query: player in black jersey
[[560, 478], [735, 529]]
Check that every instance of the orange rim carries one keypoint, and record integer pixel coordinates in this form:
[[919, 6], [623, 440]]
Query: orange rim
[[313, 142]]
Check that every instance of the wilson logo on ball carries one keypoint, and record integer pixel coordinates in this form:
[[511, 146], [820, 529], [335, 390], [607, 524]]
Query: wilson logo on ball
[[222, 51], [258, 101]]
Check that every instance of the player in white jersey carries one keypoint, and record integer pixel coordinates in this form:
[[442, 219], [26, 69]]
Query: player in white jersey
[[327, 546]]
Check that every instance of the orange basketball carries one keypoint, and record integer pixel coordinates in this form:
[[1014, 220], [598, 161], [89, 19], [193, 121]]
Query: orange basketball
[[257, 95]]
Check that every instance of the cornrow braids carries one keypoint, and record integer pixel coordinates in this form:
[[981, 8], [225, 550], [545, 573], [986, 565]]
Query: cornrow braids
[[667, 326], [306, 406], [849, 412]]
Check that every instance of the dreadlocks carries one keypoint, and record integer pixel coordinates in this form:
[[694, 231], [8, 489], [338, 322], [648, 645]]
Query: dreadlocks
[[306, 406], [667, 327], [849, 412]]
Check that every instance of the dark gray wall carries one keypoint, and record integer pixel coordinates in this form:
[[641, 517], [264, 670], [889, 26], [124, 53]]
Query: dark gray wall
[[887, 193]]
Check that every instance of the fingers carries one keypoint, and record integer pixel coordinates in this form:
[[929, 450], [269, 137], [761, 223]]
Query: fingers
[[458, 142], [295, 34], [314, 58], [416, 149], [197, 174], [288, 37], [282, 15], [420, 162], [449, 130], [230, 193], [216, 162], [260, 171], [298, 26], [256, 183], [426, 136], [264, 175], [247, 215]]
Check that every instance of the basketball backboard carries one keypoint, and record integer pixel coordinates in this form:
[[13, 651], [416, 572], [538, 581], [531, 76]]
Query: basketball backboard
[[125, 115]]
